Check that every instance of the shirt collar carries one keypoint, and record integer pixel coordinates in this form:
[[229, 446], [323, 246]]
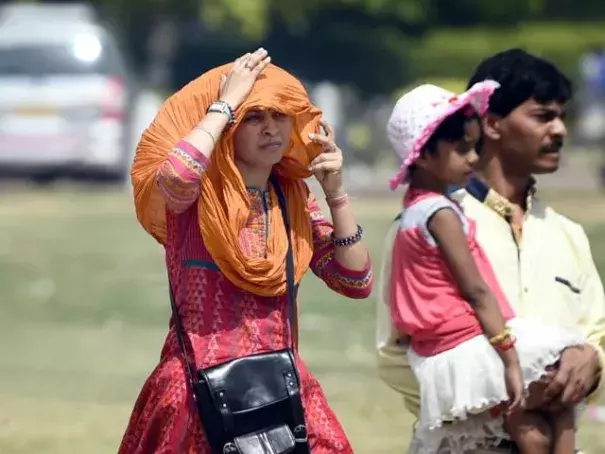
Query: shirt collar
[[496, 202]]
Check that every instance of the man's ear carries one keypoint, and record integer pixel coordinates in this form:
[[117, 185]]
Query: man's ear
[[492, 126]]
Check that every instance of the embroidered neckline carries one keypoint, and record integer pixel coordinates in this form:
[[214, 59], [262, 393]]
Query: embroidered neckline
[[256, 190], [497, 202]]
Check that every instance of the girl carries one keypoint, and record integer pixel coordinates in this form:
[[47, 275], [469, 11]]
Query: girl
[[469, 352]]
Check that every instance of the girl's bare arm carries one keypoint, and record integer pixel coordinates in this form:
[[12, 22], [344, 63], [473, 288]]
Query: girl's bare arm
[[446, 228]]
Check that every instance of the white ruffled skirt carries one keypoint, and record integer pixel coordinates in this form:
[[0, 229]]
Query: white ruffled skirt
[[460, 384]]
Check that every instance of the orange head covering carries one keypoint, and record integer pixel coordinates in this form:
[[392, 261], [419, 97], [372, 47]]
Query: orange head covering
[[224, 206]]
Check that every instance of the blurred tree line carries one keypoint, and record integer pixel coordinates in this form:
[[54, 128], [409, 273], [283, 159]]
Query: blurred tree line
[[360, 43]]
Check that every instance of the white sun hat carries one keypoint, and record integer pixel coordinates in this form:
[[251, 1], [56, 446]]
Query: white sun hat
[[419, 112]]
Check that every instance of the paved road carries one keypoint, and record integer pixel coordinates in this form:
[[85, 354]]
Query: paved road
[[579, 170]]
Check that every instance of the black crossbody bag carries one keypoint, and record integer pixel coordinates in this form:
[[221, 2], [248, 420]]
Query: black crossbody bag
[[252, 405]]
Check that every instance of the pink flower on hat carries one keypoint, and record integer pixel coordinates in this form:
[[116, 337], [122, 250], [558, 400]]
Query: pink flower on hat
[[419, 113]]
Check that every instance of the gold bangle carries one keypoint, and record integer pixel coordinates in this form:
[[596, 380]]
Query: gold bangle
[[201, 128], [501, 337]]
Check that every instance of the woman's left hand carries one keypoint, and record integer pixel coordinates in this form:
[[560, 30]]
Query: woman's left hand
[[327, 167]]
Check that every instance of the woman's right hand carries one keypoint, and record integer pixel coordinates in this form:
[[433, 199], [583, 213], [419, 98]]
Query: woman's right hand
[[237, 84], [515, 386]]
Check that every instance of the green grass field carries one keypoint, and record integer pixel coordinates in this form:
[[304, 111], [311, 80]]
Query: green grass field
[[84, 312]]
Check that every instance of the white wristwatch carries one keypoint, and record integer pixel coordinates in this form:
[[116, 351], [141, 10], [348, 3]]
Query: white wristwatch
[[223, 108]]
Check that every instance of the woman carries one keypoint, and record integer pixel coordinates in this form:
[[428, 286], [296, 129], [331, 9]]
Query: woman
[[208, 200]]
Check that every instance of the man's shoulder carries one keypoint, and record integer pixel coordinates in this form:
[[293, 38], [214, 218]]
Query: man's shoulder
[[544, 211], [539, 211], [466, 200]]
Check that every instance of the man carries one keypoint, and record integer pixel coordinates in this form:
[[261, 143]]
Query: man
[[542, 259]]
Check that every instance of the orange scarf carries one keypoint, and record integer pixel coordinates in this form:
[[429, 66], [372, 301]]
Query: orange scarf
[[224, 206]]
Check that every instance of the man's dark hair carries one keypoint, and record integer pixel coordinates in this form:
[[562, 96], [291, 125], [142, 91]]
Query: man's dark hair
[[522, 76]]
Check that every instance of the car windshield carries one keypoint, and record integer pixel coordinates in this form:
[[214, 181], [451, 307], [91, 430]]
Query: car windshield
[[85, 57]]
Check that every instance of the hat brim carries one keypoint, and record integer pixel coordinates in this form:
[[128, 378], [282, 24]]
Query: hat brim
[[476, 97]]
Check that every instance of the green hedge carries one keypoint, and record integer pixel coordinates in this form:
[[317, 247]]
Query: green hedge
[[448, 53]]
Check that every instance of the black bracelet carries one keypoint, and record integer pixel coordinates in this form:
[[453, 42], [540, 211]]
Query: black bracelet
[[350, 240]]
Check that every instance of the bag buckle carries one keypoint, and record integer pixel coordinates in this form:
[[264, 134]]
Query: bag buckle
[[300, 434], [230, 448]]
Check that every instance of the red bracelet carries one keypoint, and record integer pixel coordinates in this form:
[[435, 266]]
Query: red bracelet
[[506, 345]]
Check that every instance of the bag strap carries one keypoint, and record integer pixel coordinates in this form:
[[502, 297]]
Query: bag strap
[[300, 429], [291, 288], [185, 342]]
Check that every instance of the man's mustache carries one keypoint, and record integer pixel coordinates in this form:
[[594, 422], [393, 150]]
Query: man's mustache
[[553, 147]]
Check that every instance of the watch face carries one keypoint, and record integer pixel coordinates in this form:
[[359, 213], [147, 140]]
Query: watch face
[[220, 107]]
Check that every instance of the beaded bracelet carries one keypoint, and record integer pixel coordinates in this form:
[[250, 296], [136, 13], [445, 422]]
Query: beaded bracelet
[[350, 240]]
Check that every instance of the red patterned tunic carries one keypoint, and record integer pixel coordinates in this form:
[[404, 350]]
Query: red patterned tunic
[[224, 322]]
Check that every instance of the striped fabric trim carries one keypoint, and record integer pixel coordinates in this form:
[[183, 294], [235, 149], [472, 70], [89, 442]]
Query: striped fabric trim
[[353, 284], [188, 160], [179, 176]]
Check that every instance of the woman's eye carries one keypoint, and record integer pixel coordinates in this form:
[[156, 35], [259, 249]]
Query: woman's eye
[[252, 117]]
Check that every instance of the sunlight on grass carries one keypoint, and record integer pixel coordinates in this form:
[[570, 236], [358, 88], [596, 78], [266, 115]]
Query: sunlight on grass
[[85, 310]]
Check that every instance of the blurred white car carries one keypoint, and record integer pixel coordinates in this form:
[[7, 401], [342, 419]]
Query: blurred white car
[[65, 95]]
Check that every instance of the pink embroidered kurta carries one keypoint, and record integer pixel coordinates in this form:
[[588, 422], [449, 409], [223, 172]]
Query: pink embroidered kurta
[[425, 299], [224, 322]]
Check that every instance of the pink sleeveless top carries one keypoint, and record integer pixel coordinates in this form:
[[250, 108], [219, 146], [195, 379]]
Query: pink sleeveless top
[[426, 303]]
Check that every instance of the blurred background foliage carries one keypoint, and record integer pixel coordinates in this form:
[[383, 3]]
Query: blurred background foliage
[[371, 45]]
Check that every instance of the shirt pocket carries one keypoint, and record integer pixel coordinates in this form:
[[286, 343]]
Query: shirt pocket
[[573, 288], [569, 288]]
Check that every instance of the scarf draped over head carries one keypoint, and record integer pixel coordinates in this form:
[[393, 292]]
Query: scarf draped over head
[[223, 206]]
